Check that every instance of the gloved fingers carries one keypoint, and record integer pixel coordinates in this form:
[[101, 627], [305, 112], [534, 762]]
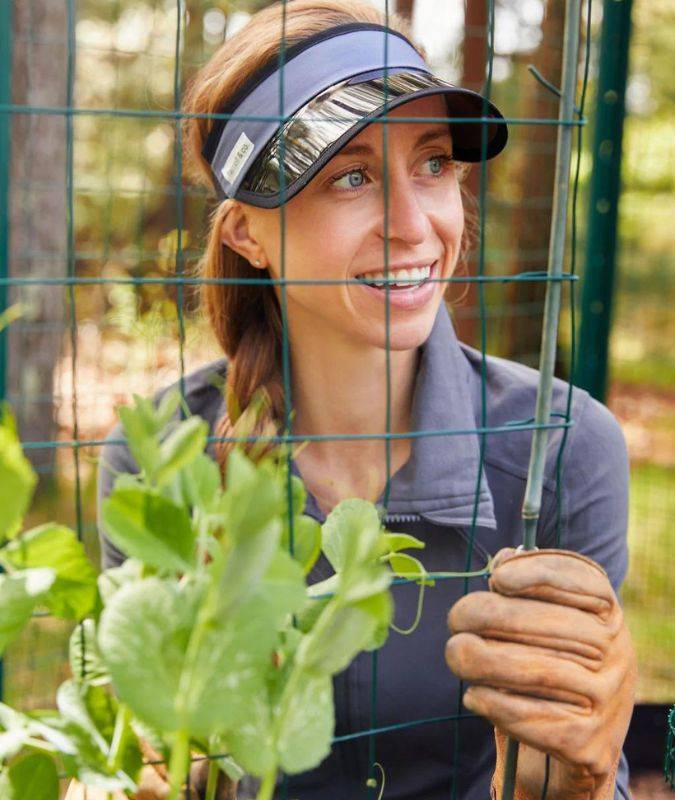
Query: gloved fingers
[[555, 576], [560, 729], [521, 669], [577, 633]]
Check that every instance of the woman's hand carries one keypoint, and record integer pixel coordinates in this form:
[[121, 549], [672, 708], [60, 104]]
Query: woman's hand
[[550, 663]]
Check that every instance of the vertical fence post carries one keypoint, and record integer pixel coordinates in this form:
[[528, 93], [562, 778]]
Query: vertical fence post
[[598, 279], [5, 127]]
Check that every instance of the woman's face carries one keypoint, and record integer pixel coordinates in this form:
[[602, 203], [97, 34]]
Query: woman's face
[[338, 228]]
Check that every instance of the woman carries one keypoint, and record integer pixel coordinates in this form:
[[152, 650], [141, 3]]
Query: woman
[[546, 652]]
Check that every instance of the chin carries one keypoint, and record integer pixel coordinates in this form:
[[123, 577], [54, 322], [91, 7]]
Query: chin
[[408, 335]]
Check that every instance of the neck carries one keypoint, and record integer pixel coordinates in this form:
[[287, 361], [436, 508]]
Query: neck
[[339, 388]]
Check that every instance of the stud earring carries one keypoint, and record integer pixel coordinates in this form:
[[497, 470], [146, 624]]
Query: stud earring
[[257, 262]]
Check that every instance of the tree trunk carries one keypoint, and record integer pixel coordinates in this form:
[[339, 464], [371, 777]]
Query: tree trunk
[[38, 232], [535, 177], [405, 8]]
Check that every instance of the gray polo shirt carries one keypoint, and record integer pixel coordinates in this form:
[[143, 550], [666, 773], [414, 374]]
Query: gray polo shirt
[[432, 497]]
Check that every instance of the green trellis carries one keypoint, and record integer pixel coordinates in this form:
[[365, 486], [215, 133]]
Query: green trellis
[[76, 280]]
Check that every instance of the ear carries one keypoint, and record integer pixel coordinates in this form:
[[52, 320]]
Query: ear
[[236, 233]]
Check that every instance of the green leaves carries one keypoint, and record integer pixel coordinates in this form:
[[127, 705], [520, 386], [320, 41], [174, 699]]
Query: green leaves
[[33, 776], [161, 460], [143, 635], [73, 592], [150, 527], [306, 538], [89, 715], [306, 723], [86, 663], [17, 479], [19, 595], [208, 636], [350, 534]]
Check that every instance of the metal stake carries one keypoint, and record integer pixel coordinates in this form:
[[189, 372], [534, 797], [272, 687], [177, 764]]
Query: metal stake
[[535, 475]]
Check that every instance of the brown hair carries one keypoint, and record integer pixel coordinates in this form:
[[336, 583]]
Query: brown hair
[[246, 318]]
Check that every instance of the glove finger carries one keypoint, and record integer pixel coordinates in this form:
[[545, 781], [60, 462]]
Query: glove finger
[[554, 576], [521, 669], [514, 619], [560, 729]]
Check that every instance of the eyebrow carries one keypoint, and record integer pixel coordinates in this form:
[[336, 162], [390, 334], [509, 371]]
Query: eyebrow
[[366, 149]]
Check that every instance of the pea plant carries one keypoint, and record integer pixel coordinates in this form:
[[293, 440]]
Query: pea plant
[[208, 641]]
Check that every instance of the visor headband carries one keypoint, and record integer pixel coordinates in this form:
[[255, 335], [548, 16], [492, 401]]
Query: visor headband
[[336, 55]]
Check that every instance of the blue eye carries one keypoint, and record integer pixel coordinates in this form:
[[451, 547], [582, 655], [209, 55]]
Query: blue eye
[[436, 165], [441, 161], [353, 179]]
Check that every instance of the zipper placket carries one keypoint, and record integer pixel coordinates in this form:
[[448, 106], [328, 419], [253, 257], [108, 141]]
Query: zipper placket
[[398, 518]]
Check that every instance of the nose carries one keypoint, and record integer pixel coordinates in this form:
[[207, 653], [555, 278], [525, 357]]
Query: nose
[[406, 218]]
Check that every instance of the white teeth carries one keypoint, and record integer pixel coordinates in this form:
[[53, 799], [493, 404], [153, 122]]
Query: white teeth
[[398, 277]]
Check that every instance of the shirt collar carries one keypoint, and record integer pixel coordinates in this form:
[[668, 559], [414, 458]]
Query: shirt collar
[[440, 479]]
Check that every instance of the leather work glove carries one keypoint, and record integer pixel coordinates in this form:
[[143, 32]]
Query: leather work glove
[[550, 663]]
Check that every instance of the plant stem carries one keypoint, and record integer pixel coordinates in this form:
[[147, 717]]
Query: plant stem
[[178, 765], [118, 738], [212, 780], [266, 791], [38, 744]]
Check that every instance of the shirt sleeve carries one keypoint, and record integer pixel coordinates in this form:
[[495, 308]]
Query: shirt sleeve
[[593, 514], [115, 458]]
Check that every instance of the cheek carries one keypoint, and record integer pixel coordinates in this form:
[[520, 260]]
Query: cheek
[[322, 242]]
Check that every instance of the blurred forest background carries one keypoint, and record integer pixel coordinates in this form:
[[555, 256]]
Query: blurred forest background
[[99, 195]]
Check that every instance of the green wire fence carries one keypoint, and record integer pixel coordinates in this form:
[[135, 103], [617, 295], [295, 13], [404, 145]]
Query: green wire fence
[[99, 243]]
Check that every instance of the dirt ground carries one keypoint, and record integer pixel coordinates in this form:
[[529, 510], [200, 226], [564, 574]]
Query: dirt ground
[[651, 786]]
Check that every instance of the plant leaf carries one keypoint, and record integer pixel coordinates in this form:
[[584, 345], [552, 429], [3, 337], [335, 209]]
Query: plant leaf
[[393, 542], [251, 742], [20, 593], [350, 534], [306, 724], [86, 662], [115, 577], [152, 528], [32, 726], [306, 540], [409, 567], [180, 448], [341, 632], [34, 777], [17, 479], [88, 716], [141, 439], [143, 635], [201, 483], [73, 593]]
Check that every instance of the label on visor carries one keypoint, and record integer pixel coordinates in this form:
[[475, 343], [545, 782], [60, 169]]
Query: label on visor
[[237, 158]]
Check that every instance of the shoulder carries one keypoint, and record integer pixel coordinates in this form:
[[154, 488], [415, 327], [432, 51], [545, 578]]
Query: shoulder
[[593, 433]]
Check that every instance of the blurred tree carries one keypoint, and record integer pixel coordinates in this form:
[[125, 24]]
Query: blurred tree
[[533, 177], [474, 60], [38, 227], [405, 8]]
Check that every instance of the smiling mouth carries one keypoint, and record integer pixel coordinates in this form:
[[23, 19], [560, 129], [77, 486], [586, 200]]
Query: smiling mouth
[[397, 278]]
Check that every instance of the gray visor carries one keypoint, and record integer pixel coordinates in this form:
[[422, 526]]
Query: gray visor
[[316, 132], [288, 120]]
